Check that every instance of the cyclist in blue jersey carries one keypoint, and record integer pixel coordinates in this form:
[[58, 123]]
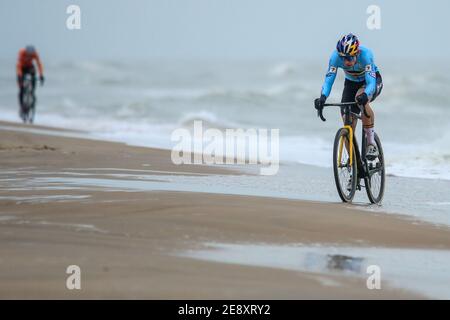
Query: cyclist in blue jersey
[[362, 84]]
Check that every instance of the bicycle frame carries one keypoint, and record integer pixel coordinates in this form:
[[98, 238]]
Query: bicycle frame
[[348, 121], [27, 86]]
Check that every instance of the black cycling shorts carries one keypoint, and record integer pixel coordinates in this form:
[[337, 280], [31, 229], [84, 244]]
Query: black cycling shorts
[[352, 87]]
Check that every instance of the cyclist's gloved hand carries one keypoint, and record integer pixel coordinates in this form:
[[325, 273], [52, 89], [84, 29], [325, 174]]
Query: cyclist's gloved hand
[[362, 99], [319, 102], [41, 80]]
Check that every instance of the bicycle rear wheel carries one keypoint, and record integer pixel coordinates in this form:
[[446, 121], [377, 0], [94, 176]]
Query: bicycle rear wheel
[[375, 178], [345, 174]]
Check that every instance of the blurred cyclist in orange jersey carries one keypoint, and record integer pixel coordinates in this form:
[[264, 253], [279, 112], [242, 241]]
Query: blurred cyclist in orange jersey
[[25, 65]]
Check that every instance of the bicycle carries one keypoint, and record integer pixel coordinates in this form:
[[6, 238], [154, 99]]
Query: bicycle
[[28, 100], [349, 166]]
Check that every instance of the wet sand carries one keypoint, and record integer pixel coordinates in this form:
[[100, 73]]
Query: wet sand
[[126, 243]]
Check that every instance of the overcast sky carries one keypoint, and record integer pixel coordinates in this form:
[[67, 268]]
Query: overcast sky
[[221, 29]]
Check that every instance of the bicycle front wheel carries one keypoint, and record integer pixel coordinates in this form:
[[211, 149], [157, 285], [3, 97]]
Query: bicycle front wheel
[[345, 173], [28, 106], [375, 178], [31, 115]]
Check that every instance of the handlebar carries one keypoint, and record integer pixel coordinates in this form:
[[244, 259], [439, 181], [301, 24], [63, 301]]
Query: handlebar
[[320, 115], [342, 104]]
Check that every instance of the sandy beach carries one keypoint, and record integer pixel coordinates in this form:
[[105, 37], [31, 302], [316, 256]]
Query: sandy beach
[[200, 151], [127, 242]]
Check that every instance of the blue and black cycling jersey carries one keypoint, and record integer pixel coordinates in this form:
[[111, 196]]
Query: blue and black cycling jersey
[[363, 70]]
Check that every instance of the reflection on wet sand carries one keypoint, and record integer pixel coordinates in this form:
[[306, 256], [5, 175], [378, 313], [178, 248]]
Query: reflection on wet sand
[[419, 270], [344, 263]]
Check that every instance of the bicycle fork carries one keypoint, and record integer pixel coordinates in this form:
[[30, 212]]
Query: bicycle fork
[[350, 147]]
